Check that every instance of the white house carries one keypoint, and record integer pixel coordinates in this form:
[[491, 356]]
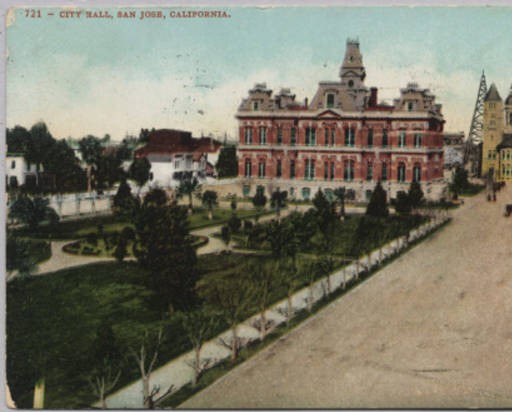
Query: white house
[[18, 170], [175, 155]]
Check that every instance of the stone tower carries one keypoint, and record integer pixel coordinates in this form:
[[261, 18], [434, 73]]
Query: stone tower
[[493, 131], [508, 112], [353, 73]]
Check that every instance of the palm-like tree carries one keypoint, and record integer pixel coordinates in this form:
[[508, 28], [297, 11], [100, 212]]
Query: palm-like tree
[[188, 187]]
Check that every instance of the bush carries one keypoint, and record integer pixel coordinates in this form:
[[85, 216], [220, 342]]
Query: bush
[[234, 223], [24, 254], [92, 238], [248, 225]]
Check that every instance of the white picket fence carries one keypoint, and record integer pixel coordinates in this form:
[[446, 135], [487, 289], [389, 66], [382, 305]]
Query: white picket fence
[[178, 371]]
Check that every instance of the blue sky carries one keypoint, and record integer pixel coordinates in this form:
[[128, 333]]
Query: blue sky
[[96, 76]]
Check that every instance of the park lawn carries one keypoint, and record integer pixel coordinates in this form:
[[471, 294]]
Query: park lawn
[[74, 229], [52, 321]]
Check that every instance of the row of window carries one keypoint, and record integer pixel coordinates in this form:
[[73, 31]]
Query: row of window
[[329, 137], [506, 155], [506, 171], [329, 167]]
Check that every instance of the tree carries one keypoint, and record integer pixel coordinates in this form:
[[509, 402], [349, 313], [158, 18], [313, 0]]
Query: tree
[[324, 210], [340, 196], [164, 247], [124, 202], [282, 238], [39, 144], [120, 252], [415, 195], [225, 234], [17, 139], [91, 149], [188, 187], [278, 201], [108, 170], [102, 382], [227, 164], [209, 200], [259, 200], [289, 277], [62, 163], [32, 211], [139, 171], [198, 326], [377, 206], [403, 203], [231, 297], [19, 256], [459, 181], [263, 282], [145, 356]]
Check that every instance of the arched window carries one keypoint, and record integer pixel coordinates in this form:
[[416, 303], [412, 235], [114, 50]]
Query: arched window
[[261, 169], [248, 168], [330, 100], [348, 170], [401, 172], [416, 172], [369, 171], [384, 172]]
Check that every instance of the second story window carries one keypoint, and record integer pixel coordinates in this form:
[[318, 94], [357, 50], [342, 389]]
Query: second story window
[[248, 135], [293, 136], [417, 140], [310, 136], [326, 136], [292, 169], [384, 172], [370, 137], [278, 168], [348, 171], [261, 169], [384, 137], [309, 170], [248, 168], [263, 135], [401, 138], [369, 171], [350, 136], [13, 164], [279, 135]]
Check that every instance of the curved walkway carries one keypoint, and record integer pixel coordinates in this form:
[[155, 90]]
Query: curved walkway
[[431, 330]]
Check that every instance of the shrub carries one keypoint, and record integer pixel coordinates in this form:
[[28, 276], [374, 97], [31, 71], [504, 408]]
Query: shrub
[[234, 223], [92, 238]]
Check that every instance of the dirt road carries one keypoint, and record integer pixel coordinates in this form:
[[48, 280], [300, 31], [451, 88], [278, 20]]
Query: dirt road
[[432, 329]]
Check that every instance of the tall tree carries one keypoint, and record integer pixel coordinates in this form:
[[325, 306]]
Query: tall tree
[[62, 163], [91, 150], [263, 281], [378, 206], [402, 203], [340, 197], [139, 171], [415, 195], [227, 164], [32, 211], [39, 144], [278, 201], [17, 139], [209, 200], [124, 202], [164, 247], [259, 200]]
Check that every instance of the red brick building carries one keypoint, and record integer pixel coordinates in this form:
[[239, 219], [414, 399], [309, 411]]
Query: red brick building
[[343, 138]]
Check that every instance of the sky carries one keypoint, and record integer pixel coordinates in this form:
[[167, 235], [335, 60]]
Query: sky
[[115, 76]]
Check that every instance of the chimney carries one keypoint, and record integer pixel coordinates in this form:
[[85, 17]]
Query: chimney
[[373, 97]]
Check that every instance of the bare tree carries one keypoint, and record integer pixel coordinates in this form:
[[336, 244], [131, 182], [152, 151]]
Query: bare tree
[[103, 381], [146, 356], [231, 297], [288, 273], [264, 280], [198, 326]]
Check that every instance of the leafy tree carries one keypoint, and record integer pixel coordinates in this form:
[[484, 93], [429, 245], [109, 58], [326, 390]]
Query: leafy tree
[[108, 171], [415, 195], [39, 144], [17, 139], [156, 197], [19, 256], [282, 238], [278, 201], [233, 203], [225, 234], [227, 164], [231, 297], [403, 203], [121, 249], [164, 247], [139, 171], [62, 163], [209, 200], [124, 202], [289, 277], [234, 223], [259, 200], [459, 181], [91, 151], [32, 211], [377, 206], [188, 187], [324, 210], [340, 197], [198, 326]]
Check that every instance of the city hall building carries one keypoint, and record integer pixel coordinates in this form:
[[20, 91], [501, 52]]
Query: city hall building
[[342, 138]]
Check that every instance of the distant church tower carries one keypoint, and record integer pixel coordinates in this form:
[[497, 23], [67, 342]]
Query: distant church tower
[[508, 112], [353, 73], [493, 131]]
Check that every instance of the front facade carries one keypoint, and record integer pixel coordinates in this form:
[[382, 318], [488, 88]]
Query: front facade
[[175, 155], [18, 171], [343, 138], [497, 136]]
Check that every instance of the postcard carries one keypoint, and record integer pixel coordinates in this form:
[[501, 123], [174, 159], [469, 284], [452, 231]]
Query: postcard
[[215, 207]]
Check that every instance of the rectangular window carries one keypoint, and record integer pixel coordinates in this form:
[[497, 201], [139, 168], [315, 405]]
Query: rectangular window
[[177, 163], [369, 172], [333, 136], [327, 137], [384, 137], [326, 170], [13, 164], [248, 168], [417, 140], [489, 155], [332, 170], [350, 135], [330, 100], [310, 136], [293, 136], [261, 170], [309, 170], [263, 135], [278, 168], [255, 106], [370, 137], [384, 174], [279, 135], [248, 135], [401, 139], [348, 171], [292, 169]]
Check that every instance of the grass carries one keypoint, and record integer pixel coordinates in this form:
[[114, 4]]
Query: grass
[[74, 229]]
